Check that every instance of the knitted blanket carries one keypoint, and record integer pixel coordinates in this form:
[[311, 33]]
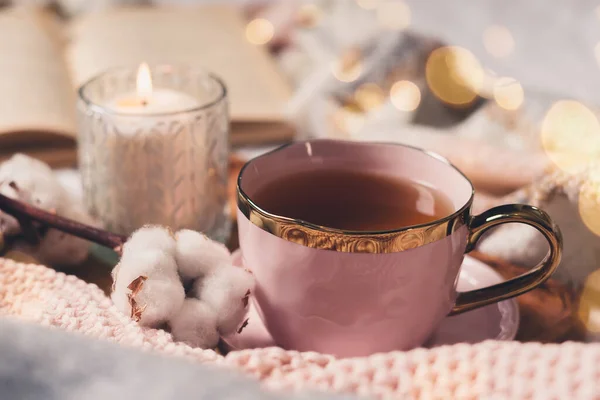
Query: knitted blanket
[[488, 370]]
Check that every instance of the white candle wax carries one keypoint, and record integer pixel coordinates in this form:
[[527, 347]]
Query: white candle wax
[[160, 101], [153, 165], [156, 155]]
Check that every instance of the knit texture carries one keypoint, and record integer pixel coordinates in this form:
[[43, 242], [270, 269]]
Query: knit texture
[[488, 370]]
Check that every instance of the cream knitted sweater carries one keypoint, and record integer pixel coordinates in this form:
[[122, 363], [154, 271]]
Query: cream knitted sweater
[[489, 370]]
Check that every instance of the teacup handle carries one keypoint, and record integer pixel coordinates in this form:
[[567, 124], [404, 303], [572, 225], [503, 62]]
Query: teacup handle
[[525, 214]]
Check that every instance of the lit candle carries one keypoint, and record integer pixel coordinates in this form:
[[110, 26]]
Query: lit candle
[[156, 155], [149, 100]]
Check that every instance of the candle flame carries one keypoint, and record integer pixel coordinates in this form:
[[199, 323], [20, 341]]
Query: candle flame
[[144, 82]]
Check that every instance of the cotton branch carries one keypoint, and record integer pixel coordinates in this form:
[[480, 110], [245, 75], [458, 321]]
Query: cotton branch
[[26, 214]]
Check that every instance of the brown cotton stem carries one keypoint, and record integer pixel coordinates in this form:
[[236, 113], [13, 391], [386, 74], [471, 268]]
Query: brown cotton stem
[[26, 213]]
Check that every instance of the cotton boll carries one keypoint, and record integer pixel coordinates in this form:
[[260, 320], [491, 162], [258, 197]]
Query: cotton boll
[[157, 300], [195, 324], [149, 262], [8, 224], [226, 290], [150, 237], [22, 165], [197, 255], [26, 179], [58, 248], [147, 287], [33, 181]]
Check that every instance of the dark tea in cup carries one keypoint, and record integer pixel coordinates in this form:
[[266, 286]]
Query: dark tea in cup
[[370, 202]]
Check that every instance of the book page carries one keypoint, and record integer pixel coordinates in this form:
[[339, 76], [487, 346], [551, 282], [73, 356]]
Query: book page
[[210, 36], [37, 103]]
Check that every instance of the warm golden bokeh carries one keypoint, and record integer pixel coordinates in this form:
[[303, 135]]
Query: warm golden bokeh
[[394, 15], [348, 67], [589, 203], [498, 41], [490, 78], [369, 96], [405, 95], [309, 15], [570, 135], [508, 93], [348, 121], [367, 4], [589, 304], [454, 75], [259, 31]]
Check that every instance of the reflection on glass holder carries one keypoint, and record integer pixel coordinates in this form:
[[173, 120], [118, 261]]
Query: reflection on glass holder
[[164, 166]]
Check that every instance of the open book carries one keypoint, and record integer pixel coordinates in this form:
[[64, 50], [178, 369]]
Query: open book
[[44, 61]]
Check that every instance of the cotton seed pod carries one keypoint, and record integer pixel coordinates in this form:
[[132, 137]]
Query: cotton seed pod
[[195, 324], [226, 290], [197, 255], [148, 262], [33, 181], [147, 288], [29, 180], [59, 248], [9, 224], [150, 237]]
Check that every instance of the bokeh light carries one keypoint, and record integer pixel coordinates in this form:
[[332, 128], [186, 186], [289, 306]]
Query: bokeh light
[[367, 4], [259, 31], [508, 93], [309, 15], [348, 67], [597, 52], [498, 41], [570, 135], [454, 75], [394, 15], [589, 201], [405, 95], [589, 303], [348, 120], [369, 96], [490, 78]]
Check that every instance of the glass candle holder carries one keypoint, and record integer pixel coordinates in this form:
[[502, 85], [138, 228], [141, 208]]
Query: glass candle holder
[[155, 153]]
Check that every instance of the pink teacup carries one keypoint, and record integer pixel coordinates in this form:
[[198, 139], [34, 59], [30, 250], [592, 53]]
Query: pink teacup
[[351, 293]]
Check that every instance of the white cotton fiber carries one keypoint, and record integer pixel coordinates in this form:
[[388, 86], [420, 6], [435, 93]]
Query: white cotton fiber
[[153, 265], [161, 293], [58, 248], [195, 324], [31, 181], [226, 290], [8, 224], [150, 237], [61, 249], [148, 262], [197, 255], [34, 182]]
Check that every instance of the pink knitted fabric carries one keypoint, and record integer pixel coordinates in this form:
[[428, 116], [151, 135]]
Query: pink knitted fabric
[[489, 370]]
